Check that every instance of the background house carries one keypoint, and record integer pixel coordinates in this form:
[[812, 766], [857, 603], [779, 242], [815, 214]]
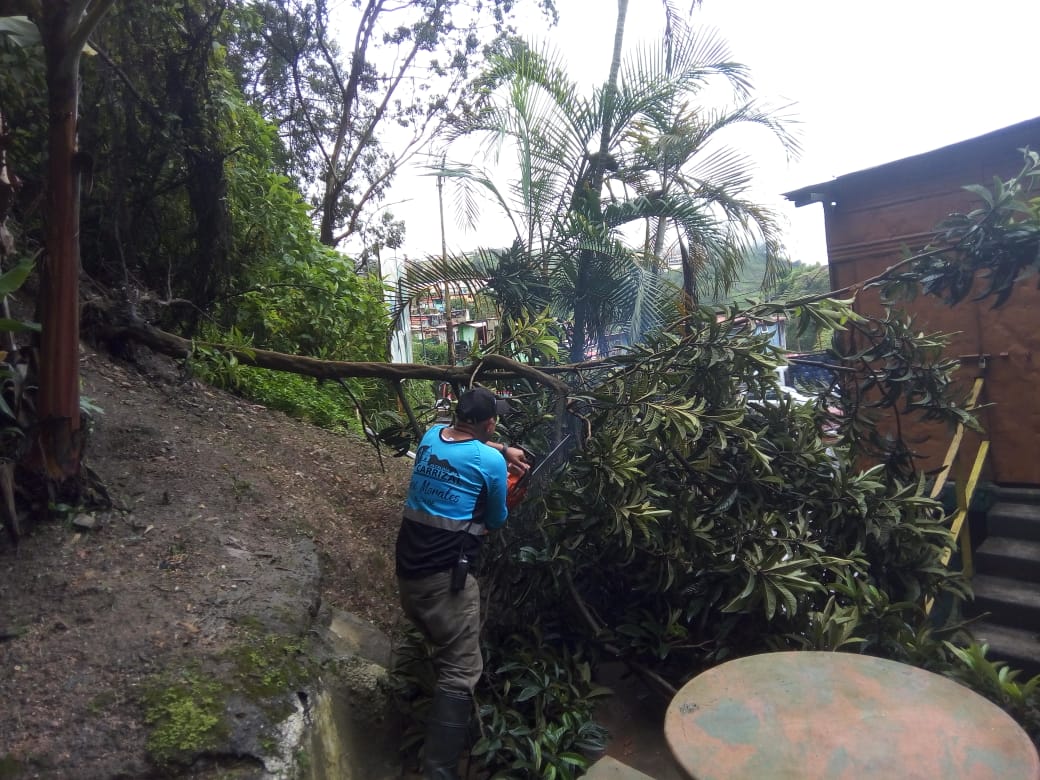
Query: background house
[[428, 321], [872, 215]]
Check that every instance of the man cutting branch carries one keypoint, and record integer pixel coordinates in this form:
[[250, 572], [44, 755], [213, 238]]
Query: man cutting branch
[[457, 494]]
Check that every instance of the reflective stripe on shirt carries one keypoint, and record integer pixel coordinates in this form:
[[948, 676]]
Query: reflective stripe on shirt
[[443, 523]]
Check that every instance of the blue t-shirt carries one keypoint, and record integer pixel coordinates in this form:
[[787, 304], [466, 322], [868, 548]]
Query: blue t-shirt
[[457, 492]]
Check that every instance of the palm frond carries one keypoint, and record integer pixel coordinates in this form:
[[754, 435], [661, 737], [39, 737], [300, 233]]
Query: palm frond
[[678, 207], [720, 167], [652, 304], [697, 57], [665, 164], [469, 177], [774, 119]]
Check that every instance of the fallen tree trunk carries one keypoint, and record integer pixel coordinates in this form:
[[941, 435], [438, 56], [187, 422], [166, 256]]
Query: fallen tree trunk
[[490, 367]]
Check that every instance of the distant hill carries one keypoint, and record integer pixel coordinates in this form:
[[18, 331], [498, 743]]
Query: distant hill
[[797, 280]]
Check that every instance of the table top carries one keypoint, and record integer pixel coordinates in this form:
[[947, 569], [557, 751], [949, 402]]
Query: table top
[[830, 716]]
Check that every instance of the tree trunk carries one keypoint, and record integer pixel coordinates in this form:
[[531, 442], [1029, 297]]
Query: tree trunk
[[207, 181], [208, 196], [58, 409], [335, 182], [64, 27], [491, 367], [689, 274], [615, 67], [593, 186], [449, 334]]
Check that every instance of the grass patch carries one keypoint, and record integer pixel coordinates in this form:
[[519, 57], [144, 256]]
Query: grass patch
[[103, 702], [325, 405]]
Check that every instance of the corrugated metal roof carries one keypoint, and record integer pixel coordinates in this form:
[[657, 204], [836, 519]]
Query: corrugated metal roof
[[825, 191]]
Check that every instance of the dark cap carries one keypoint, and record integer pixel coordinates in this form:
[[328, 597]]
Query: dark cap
[[479, 404]]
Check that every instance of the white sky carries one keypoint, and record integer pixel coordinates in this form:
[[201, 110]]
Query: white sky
[[869, 83]]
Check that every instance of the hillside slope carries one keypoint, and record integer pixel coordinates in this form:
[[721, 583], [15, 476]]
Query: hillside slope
[[233, 521]]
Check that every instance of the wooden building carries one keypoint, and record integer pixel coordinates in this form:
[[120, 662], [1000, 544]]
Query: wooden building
[[871, 215]]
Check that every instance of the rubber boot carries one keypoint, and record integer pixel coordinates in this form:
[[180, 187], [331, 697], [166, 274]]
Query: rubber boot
[[447, 731]]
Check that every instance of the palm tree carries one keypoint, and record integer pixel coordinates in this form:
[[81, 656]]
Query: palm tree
[[588, 168], [681, 156]]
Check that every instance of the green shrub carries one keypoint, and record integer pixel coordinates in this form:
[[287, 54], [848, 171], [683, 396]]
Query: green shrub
[[536, 702], [999, 683], [426, 351], [324, 404], [536, 711]]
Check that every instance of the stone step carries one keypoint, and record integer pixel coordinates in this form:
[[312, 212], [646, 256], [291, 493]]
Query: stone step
[[1009, 602], [1018, 495], [1020, 521], [609, 768], [1004, 556], [1017, 647]]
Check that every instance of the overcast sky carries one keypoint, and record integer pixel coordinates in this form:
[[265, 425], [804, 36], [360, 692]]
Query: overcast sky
[[868, 83]]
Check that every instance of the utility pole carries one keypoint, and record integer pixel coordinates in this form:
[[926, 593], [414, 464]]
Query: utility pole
[[449, 333]]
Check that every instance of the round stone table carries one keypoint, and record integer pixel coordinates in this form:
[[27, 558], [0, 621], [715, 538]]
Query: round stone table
[[824, 716]]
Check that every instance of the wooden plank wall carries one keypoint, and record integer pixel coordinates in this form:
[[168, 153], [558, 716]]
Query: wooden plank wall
[[876, 213]]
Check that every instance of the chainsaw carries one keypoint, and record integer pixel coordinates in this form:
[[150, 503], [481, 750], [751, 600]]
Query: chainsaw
[[518, 484]]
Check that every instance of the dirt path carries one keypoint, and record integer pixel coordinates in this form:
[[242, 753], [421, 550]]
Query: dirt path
[[223, 502]]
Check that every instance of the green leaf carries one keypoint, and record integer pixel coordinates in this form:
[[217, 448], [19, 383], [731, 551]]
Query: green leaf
[[770, 601], [20, 30], [18, 326], [528, 693], [13, 278], [6, 410]]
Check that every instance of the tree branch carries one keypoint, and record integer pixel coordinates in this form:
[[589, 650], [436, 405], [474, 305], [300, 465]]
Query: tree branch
[[495, 367], [819, 364], [652, 679], [151, 108], [86, 24]]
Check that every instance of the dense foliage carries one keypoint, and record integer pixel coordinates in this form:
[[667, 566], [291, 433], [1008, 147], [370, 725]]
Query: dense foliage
[[697, 524], [187, 221]]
